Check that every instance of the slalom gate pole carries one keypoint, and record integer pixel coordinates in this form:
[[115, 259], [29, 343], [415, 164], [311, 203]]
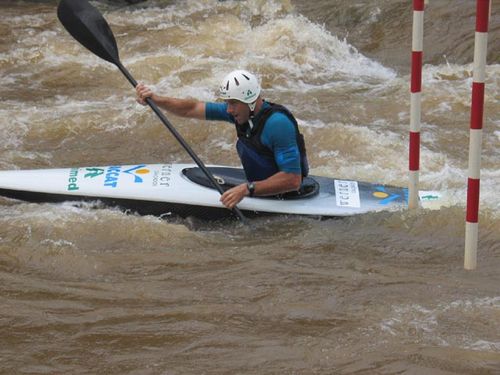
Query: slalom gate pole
[[416, 98], [476, 133]]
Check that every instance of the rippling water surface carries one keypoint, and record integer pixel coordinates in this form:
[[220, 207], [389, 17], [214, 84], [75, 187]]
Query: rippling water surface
[[87, 289]]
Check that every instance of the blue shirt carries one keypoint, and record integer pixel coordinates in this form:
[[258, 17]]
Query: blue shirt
[[278, 135]]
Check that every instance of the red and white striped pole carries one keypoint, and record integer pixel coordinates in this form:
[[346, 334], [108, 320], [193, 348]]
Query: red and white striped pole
[[416, 99], [476, 133]]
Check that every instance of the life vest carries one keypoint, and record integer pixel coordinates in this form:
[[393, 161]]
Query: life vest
[[256, 158]]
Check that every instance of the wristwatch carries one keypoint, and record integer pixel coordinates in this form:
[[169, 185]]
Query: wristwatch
[[251, 188]]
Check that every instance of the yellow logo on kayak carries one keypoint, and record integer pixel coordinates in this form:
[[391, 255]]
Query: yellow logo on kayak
[[138, 170], [380, 194], [384, 196]]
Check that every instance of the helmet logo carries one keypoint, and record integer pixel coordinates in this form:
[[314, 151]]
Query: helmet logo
[[249, 95]]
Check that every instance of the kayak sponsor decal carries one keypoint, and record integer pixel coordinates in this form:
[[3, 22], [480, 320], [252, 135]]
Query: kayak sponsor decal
[[112, 174], [93, 172], [111, 178], [384, 196], [162, 177], [347, 194], [73, 179], [138, 173], [430, 197]]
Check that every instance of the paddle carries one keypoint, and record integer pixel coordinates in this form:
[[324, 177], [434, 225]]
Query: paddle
[[87, 25]]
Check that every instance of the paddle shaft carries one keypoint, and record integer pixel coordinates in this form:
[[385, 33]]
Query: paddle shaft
[[179, 138]]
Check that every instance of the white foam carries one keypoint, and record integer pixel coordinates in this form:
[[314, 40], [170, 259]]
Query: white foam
[[306, 54], [328, 154], [484, 345], [455, 81], [414, 320], [314, 124], [37, 21], [221, 144], [58, 243], [307, 50], [497, 134]]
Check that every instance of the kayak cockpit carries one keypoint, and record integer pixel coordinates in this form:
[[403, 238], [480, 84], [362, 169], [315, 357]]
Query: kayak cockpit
[[228, 177]]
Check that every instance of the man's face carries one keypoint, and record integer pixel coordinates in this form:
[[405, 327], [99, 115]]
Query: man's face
[[238, 110]]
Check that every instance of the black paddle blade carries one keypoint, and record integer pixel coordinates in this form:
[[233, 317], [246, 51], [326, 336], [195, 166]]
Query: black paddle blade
[[88, 26]]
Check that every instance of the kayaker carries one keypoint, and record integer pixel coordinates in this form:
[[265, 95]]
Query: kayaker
[[270, 146]]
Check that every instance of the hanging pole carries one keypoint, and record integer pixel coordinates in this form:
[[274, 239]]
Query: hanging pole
[[416, 98], [476, 133]]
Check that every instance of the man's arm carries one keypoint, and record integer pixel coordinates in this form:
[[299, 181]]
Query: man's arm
[[280, 182], [189, 108]]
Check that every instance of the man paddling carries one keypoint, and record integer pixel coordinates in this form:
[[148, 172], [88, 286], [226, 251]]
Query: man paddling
[[270, 146]]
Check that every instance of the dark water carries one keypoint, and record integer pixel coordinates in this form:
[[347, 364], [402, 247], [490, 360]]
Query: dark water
[[382, 29], [88, 290]]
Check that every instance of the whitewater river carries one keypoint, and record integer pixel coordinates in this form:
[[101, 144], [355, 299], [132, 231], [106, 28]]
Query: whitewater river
[[91, 290]]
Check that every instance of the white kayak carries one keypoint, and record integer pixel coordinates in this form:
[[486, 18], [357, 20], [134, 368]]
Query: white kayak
[[183, 190]]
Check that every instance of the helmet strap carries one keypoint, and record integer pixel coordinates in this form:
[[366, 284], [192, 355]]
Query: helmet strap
[[250, 123], [251, 106]]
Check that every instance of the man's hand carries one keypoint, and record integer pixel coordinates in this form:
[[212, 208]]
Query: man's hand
[[233, 196], [143, 92]]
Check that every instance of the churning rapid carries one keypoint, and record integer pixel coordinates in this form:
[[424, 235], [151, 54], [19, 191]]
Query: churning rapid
[[87, 289]]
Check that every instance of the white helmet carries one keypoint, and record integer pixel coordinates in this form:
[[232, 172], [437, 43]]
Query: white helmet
[[240, 85]]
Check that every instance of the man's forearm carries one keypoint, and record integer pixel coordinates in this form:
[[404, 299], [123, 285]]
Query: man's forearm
[[278, 183], [178, 107]]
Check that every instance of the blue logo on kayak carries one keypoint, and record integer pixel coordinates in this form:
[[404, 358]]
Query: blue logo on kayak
[[137, 172], [112, 174], [385, 198], [111, 178]]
